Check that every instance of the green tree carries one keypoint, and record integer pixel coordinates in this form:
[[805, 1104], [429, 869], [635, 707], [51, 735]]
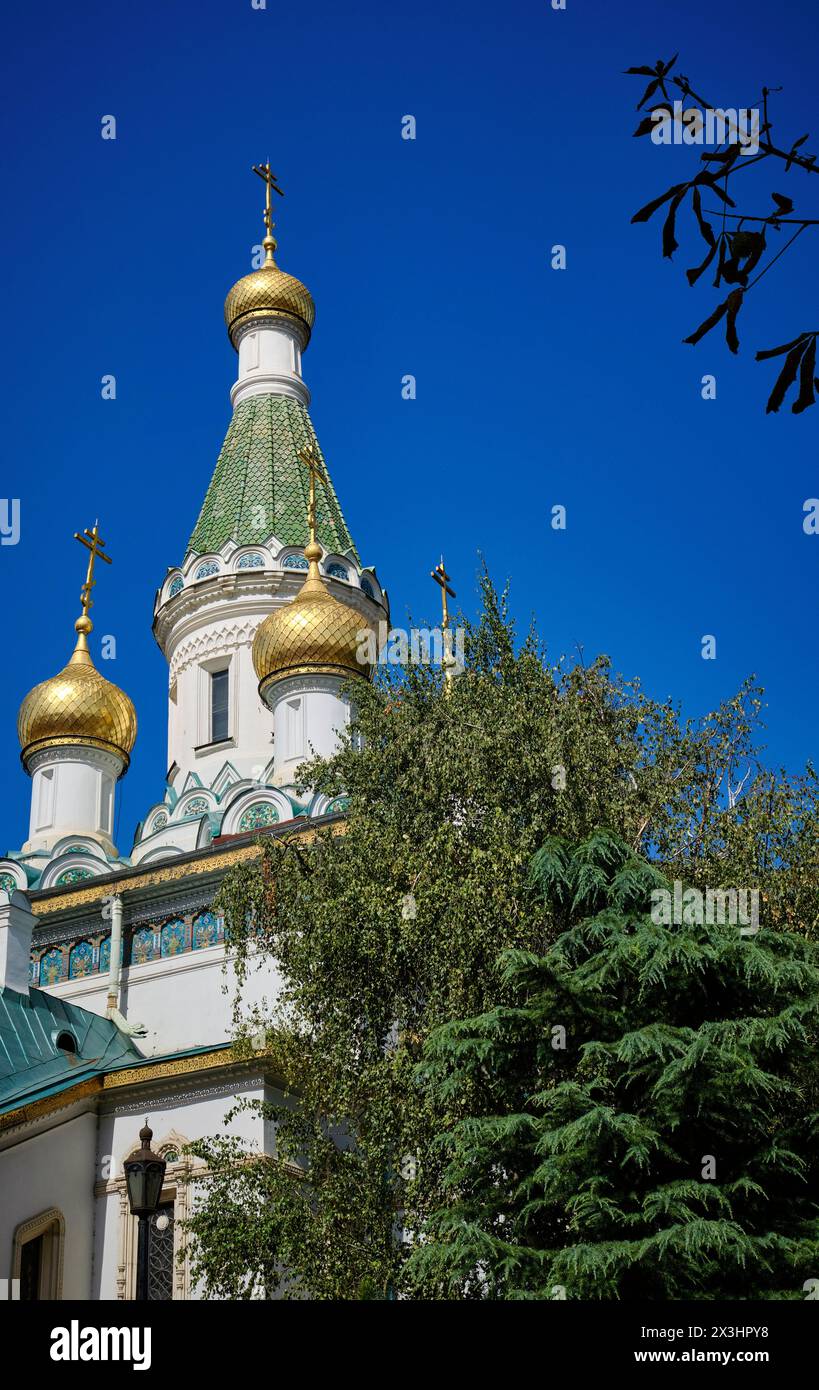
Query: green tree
[[384, 932], [642, 1117]]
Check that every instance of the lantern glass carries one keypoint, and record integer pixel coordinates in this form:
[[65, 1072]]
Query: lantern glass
[[144, 1182], [135, 1181], [154, 1177]]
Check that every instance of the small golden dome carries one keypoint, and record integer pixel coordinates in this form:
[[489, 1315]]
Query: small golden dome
[[315, 633], [272, 294], [77, 706]]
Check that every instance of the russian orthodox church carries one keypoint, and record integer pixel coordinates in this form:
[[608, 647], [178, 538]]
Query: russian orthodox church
[[112, 964]]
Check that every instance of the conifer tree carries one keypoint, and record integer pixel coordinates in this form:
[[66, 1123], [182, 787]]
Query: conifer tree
[[640, 1121], [379, 934]]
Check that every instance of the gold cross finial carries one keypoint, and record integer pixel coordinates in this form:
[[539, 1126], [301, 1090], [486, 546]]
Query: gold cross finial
[[315, 467], [441, 578], [271, 182], [92, 540]]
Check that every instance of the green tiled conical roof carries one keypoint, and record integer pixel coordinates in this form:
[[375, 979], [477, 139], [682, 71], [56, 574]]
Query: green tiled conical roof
[[260, 487]]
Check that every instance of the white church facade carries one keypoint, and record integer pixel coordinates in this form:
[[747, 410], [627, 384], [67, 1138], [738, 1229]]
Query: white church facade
[[112, 965]]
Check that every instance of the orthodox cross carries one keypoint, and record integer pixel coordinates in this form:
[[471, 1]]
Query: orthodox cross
[[315, 468], [92, 541], [443, 579], [271, 182]]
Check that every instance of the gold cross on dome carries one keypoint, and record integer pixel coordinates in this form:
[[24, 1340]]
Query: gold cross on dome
[[315, 467], [92, 540], [271, 182], [442, 579]]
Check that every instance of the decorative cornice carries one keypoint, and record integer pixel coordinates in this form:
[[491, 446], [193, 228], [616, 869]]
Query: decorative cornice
[[24, 1114], [219, 641], [172, 873], [195, 862], [176, 1066], [93, 751], [134, 915], [128, 1076], [74, 749]]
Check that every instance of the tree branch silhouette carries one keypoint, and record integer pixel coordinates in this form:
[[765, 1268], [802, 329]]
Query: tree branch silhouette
[[739, 250]]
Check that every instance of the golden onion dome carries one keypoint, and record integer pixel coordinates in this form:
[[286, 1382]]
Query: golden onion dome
[[314, 634], [270, 293], [77, 706]]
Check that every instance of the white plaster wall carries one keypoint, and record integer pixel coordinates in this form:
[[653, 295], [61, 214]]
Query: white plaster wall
[[191, 1112], [308, 714], [72, 792], [250, 728], [53, 1169], [180, 999], [269, 362]]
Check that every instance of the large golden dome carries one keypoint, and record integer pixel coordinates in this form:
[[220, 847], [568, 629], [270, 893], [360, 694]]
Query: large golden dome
[[272, 294], [314, 634], [77, 706]]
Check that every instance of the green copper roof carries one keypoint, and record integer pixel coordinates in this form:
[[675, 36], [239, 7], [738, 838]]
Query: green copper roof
[[259, 487], [31, 1064]]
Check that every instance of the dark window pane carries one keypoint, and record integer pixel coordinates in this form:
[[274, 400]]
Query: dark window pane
[[31, 1260], [218, 705], [160, 1258]]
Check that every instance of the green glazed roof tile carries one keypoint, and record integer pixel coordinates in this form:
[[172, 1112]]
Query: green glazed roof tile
[[260, 486], [32, 1066]]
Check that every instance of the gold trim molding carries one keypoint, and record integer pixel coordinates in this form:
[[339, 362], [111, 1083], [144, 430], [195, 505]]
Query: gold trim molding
[[146, 1071], [171, 873]]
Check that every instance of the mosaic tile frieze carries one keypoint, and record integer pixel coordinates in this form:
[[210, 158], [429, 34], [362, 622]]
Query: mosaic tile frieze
[[81, 954]]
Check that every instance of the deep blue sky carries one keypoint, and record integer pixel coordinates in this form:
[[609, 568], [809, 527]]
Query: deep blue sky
[[535, 387]]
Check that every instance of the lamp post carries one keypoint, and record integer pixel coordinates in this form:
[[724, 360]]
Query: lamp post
[[144, 1176]]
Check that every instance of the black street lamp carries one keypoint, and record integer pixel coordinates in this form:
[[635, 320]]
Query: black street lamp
[[144, 1176]]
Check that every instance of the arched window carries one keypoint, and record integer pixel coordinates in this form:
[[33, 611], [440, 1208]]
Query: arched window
[[37, 1256]]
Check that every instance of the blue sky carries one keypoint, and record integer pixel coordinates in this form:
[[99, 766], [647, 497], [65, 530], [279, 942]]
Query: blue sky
[[431, 257]]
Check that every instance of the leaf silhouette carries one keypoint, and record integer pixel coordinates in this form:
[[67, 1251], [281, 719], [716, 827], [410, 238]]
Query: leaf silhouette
[[787, 376], [745, 247], [783, 204], [806, 370], [793, 149], [730, 306], [778, 351], [693, 276], [649, 92], [705, 227], [712, 184], [649, 121], [734, 303], [650, 208], [670, 242]]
